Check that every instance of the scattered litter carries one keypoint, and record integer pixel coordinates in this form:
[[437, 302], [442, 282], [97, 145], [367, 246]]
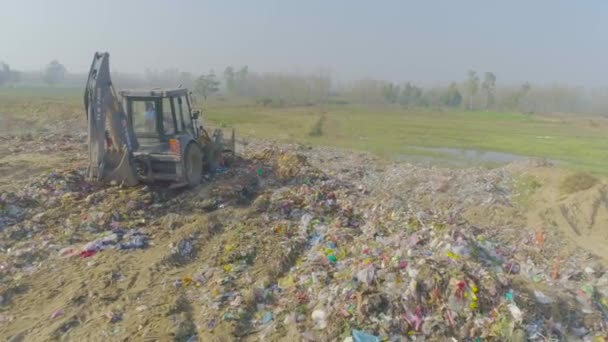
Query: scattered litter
[[113, 316], [361, 336], [319, 317], [230, 317], [515, 312], [56, 313], [509, 296], [398, 251], [87, 253], [267, 317], [542, 298], [132, 239]]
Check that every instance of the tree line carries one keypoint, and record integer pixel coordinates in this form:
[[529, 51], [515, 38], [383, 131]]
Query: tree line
[[53, 73], [476, 91], [472, 93]]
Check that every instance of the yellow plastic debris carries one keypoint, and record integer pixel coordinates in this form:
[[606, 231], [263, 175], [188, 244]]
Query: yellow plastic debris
[[453, 256], [286, 282]]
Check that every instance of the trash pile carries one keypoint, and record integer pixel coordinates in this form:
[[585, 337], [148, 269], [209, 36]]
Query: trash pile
[[45, 192], [386, 272], [132, 239], [293, 243], [434, 280], [62, 214]]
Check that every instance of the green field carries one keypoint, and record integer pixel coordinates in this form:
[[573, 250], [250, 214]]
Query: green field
[[576, 140], [573, 139]]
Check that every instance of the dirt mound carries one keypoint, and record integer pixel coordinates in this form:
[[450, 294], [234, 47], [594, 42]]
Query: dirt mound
[[580, 216], [577, 182]]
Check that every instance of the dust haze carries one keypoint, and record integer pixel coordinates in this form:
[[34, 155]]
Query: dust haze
[[424, 42], [303, 170], [430, 44]]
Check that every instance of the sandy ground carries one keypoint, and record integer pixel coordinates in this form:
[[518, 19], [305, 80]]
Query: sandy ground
[[580, 217]]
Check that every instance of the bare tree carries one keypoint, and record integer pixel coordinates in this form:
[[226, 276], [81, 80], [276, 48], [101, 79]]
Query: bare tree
[[451, 97], [521, 96], [207, 85], [411, 95], [54, 73], [229, 79], [472, 85], [390, 92], [488, 85], [5, 73]]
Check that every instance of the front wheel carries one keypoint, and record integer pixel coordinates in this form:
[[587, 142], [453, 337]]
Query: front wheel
[[193, 165]]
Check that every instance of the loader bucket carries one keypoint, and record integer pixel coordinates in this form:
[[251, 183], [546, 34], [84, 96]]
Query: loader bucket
[[119, 167], [111, 138]]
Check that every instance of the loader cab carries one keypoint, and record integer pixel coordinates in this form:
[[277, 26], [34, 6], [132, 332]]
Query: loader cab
[[164, 126], [160, 114]]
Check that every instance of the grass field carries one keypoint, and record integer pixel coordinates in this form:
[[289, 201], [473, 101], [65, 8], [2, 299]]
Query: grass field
[[577, 140]]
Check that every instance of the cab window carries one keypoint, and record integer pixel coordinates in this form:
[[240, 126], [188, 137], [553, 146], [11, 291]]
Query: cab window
[[143, 114], [168, 123], [189, 120], [179, 113]]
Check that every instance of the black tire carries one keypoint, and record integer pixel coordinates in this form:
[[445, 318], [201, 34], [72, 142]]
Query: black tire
[[193, 165]]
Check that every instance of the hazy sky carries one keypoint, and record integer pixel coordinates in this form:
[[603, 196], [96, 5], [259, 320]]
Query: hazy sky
[[426, 40]]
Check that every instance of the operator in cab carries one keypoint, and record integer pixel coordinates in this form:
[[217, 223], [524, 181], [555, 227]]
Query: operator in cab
[[150, 116]]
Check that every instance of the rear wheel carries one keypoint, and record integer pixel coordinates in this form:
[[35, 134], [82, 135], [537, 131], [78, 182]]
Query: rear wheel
[[193, 165]]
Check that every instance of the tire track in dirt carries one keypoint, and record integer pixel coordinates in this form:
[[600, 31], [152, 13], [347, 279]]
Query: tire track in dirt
[[172, 318], [569, 219], [580, 215], [285, 260]]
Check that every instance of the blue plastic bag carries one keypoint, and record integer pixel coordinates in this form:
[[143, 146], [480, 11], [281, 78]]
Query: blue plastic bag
[[362, 336]]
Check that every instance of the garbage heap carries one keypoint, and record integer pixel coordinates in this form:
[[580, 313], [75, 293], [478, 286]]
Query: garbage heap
[[361, 265], [63, 214], [274, 248]]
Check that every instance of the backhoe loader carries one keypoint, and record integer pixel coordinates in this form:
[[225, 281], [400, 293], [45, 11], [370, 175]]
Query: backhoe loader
[[147, 135]]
